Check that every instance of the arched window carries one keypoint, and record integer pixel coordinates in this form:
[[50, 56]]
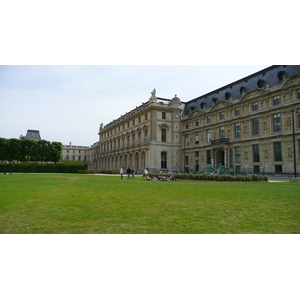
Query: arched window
[[164, 160]]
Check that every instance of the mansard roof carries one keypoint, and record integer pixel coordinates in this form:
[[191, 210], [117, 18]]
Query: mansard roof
[[32, 135], [263, 79]]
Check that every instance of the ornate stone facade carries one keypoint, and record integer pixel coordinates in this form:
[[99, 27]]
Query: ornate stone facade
[[245, 126], [146, 137], [251, 133]]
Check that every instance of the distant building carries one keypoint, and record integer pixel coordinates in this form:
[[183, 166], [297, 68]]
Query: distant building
[[85, 154], [75, 153], [31, 135]]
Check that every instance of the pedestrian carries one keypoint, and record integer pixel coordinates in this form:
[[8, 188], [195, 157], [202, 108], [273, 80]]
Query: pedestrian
[[121, 173], [146, 172], [128, 173], [132, 173]]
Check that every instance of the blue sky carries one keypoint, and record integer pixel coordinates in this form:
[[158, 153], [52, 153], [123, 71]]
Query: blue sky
[[67, 103]]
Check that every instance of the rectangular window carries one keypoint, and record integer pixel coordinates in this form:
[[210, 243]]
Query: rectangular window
[[299, 94], [222, 132], [197, 123], [196, 138], [208, 157], [278, 169], [277, 151], [196, 153], [208, 120], [298, 116], [186, 140], [186, 158], [139, 119], [237, 111], [255, 153], [255, 106], [133, 122], [276, 100], [163, 115], [222, 116], [146, 117], [256, 170], [186, 126], [255, 127], [238, 154], [237, 130], [276, 122], [164, 135], [208, 135]]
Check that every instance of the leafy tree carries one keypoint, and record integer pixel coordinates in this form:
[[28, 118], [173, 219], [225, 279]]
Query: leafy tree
[[56, 151], [3, 149], [26, 149], [13, 150], [29, 150]]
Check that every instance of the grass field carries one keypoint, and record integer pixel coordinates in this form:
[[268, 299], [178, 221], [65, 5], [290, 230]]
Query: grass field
[[73, 203]]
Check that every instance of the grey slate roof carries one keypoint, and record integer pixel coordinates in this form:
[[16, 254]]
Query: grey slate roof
[[32, 134], [262, 79]]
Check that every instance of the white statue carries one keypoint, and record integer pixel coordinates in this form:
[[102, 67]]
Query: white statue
[[153, 95]]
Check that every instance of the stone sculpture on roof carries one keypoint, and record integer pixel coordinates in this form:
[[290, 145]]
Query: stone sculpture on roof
[[153, 97]]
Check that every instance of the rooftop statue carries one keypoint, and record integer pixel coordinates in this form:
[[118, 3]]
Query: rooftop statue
[[153, 95]]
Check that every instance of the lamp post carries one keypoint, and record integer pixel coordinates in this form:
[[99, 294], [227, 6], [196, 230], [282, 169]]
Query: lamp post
[[294, 141]]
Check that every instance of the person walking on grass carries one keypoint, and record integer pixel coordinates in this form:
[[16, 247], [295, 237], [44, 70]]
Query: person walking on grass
[[146, 172], [128, 173], [132, 173], [121, 173]]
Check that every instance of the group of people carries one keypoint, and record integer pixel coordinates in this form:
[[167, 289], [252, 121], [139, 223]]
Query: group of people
[[130, 173], [161, 178]]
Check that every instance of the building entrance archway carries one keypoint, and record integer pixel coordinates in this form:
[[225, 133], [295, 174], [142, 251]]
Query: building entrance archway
[[220, 158]]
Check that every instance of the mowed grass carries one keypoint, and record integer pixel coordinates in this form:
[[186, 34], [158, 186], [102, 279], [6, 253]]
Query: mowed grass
[[73, 203]]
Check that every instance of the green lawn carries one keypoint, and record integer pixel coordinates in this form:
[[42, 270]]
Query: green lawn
[[73, 203]]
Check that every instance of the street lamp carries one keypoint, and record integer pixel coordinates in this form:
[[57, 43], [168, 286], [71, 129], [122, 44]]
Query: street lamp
[[294, 142]]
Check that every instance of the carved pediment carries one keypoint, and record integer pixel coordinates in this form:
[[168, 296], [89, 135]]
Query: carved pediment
[[291, 81], [164, 126], [195, 113], [220, 104], [254, 93]]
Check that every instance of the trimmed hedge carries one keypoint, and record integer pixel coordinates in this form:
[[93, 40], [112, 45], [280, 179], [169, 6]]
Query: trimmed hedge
[[43, 168], [221, 177]]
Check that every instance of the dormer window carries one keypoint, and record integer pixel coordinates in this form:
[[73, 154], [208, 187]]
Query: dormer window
[[227, 96], [242, 90], [281, 76], [260, 83], [214, 100]]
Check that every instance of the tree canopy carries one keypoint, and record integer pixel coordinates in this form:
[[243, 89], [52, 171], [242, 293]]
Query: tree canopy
[[29, 150]]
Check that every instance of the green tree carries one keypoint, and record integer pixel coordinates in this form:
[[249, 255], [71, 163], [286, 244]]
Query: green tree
[[26, 150], [14, 150], [55, 151], [3, 149]]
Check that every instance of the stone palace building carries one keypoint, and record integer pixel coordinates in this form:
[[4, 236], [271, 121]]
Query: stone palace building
[[245, 126]]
